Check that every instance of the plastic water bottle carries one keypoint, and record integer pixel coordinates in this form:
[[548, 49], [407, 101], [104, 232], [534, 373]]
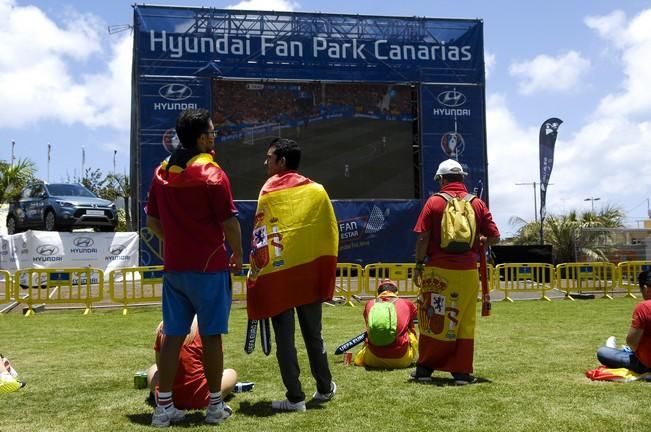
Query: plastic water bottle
[[243, 387]]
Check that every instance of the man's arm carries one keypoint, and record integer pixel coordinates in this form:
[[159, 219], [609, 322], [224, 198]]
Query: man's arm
[[156, 227], [634, 337], [233, 234], [421, 250]]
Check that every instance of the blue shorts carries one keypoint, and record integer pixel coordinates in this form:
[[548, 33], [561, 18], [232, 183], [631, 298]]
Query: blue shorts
[[208, 295]]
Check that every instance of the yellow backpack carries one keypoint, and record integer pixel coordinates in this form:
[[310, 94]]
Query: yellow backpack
[[458, 224]]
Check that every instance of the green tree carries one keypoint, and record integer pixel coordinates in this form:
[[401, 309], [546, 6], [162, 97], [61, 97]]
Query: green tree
[[13, 178], [561, 233]]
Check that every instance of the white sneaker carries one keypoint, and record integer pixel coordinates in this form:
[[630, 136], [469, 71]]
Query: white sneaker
[[285, 405], [164, 416], [216, 414], [611, 342], [325, 397]]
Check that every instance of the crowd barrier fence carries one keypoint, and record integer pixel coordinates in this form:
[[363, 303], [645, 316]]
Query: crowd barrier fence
[[135, 285], [524, 277], [586, 276], [82, 286], [628, 272], [7, 286]]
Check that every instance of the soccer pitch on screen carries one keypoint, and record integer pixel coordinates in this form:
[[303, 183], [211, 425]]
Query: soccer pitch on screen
[[356, 139]]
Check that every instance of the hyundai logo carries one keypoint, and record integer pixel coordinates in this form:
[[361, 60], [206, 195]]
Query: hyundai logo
[[451, 98], [47, 250], [116, 249], [83, 242], [175, 92]]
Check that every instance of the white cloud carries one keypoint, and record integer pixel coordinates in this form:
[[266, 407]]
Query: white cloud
[[632, 40], [268, 5], [606, 157], [546, 73], [489, 63], [39, 78]]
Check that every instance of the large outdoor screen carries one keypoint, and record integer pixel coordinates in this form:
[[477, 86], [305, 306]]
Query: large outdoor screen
[[357, 139]]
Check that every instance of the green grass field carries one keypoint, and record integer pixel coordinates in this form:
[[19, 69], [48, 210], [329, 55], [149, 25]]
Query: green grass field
[[531, 356]]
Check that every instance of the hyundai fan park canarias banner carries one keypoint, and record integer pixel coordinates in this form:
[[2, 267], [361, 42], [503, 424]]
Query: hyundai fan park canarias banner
[[375, 102]]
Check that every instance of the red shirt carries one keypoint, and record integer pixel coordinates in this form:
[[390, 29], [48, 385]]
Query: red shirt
[[192, 205], [190, 389], [406, 312], [430, 220], [642, 320]]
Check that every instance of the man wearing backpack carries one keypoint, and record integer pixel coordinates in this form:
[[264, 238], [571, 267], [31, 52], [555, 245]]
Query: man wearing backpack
[[451, 227], [391, 336]]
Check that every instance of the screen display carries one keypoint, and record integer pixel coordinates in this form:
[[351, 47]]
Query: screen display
[[357, 139]]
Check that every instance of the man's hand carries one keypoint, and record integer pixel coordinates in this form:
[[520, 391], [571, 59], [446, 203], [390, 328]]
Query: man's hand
[[417, 276], [235, 263]]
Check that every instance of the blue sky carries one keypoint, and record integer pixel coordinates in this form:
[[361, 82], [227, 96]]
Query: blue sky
[[66, 81]]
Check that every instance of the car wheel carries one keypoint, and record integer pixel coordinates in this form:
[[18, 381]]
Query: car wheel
[[50, 221], [11, 225]]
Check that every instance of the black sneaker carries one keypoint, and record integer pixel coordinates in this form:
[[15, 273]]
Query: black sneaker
[[421, 374], [462, 379]]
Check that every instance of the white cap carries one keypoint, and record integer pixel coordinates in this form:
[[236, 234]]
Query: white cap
[[449, 166]]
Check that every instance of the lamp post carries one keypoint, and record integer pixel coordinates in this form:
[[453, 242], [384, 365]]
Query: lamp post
[[592, 200]]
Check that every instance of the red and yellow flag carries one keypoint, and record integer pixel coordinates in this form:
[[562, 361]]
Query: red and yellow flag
[[293, 247]]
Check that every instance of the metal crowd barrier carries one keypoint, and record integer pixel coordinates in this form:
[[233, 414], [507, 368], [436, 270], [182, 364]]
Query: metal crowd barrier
[[628, 272], [135, 285], [239, 283], [7, 286], [401, 274], [82, 286], [586, 276], [348, 283], [524, 277]]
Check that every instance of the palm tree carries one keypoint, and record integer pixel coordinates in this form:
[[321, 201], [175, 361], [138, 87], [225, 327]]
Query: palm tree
[[562, 233], [13, 178]]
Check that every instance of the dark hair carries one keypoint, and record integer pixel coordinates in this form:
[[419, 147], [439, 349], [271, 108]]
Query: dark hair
[[190, 125], [387, 285], [288, 149], [453, 177], [644, 278]]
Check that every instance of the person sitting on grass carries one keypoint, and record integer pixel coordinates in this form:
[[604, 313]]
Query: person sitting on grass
[[637, 356], [391, 343], [190, 389]]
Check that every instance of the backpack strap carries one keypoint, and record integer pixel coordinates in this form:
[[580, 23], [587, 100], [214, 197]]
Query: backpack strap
[[446, 196]]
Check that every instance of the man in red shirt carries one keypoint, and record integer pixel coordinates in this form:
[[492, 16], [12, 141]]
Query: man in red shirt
[[638, 355], [190, 207], [448, 283], [402, 352]]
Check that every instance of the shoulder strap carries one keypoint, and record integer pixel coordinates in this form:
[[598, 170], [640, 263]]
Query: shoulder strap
[[469, 197], [446, 196]]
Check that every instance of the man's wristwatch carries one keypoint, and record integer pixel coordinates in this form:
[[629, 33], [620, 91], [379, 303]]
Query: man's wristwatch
[[420, 265]]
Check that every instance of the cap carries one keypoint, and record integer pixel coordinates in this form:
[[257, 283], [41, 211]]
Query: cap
[[449, 166]]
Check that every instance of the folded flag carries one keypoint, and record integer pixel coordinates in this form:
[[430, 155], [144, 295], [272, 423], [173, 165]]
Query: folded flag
[[603, 373], [293, 247]]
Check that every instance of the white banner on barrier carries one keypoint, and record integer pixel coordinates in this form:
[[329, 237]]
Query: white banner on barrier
[[44, 249]]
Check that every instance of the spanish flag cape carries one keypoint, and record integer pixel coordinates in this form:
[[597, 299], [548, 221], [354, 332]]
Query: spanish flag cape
[[188, 168], [293, 247]]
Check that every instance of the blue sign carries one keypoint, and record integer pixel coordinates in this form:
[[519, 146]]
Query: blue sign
[[183, 55]]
